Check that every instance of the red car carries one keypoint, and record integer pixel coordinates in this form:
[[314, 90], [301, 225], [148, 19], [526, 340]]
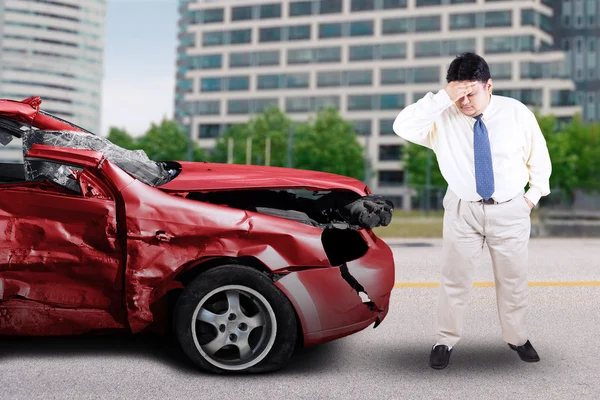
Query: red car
[[243, 263]]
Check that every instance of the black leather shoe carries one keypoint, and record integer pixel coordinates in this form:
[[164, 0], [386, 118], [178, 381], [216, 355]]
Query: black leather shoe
[[526, 352], [440, 357]]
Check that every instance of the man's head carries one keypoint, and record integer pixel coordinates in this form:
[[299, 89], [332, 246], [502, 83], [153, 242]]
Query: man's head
[[471, 67]]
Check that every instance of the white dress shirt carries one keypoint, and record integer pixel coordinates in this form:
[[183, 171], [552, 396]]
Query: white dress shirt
[[519, 152]]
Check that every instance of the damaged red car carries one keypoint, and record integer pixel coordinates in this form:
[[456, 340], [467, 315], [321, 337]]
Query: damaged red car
[[242, 263]]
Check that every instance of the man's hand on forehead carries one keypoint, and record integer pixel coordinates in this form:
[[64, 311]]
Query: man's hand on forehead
[[458, 89]]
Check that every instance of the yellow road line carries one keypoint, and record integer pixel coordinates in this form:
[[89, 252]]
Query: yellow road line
[[491, 284]]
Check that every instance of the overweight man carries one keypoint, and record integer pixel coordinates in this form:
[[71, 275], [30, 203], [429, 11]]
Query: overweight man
[[488, 148]]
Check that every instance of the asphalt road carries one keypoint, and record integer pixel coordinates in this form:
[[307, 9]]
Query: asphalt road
[[389, 362]]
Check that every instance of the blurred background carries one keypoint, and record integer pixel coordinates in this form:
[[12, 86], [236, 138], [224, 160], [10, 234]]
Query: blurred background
[[312, 84]]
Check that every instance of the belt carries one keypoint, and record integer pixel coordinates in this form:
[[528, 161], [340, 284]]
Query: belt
[[491, 201]]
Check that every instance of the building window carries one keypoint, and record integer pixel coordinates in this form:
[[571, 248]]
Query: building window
[[330, 6], [563, 98], [463, 21], [212, 15], [299, 8], [238, 107], [528, 17], [235, 83], [266, 82], [501, 71], [362, 127], [361, 28], [498, 18], [270, 11], [359, 78], [269, 34], [208, 131], [395, 26], [360, 102], [390, 4], [300, 80], [324, 102], [428, 49], [330, 30], [391, 101], [297, 104], [299, 56], [241, 13], [359, 53], [393, 50], [362, 5], [386, 127], [391, 178], [428, 24], [210, 85], [213, 38], [267, 57], [328, 54], [390, 152], [211, 107], [240, 36], [240, 60], [508, 44], [394, 76], [424, 3], [329, 79], [300, 32]]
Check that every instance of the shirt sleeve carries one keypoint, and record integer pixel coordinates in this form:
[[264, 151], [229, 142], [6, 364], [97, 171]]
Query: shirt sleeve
[[416, 123], [538, 161]]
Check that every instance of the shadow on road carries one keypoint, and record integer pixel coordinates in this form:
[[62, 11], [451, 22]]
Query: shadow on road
[[465, 357], [149, 346]]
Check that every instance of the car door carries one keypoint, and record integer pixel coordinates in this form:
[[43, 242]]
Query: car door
[[61, 269]]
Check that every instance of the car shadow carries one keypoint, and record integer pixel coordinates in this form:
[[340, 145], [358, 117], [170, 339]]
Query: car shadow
[[145, 345]]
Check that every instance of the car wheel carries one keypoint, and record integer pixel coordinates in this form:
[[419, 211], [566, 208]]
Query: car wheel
[[233, 319]]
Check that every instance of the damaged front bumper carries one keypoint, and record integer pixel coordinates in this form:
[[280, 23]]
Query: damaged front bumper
[[338, 301]]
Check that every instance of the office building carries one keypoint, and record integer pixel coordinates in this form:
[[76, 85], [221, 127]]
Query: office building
[[53, 49], [576, 25], [369, 59]]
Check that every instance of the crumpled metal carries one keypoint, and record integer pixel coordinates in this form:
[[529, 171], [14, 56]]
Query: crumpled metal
[[134, 162]]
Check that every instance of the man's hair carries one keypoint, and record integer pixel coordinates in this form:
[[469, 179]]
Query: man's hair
[[468, 67]]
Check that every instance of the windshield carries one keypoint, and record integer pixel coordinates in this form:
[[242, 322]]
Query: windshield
[[134, 162]]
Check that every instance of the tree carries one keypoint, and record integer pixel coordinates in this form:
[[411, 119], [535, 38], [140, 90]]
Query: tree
[[329, 144], [121, 138], [168, 141], [271, 123], [416, 164]]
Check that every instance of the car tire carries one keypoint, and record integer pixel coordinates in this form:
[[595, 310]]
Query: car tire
[[255, 333]]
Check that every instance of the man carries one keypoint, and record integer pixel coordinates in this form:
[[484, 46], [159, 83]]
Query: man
[[488, 148]]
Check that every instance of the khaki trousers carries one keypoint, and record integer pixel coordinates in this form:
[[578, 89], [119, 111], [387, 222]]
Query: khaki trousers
[[505, 227]]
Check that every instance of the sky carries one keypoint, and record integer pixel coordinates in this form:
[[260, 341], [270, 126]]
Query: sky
[[139, 64]]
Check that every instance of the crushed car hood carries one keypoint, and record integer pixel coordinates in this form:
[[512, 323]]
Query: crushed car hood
[[199, 176]]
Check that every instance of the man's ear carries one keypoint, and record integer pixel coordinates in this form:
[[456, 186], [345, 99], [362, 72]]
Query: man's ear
[[488, 86]]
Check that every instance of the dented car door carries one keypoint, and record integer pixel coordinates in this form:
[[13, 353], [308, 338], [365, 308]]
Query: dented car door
[[60, 259]]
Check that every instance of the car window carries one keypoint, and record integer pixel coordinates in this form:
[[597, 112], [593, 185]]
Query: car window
[[64, 175]]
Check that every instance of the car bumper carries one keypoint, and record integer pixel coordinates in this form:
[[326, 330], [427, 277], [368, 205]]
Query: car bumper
[[327, 300]]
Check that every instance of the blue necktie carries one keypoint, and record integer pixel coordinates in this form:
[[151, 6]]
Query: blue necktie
[[484, 172]]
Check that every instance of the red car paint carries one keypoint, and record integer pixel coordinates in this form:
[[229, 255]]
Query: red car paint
[[105, 260]]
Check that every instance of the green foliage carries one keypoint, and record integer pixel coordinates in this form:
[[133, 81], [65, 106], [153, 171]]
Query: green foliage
[[163, 142], [575, 153], [327, 143], [121, 138], [272, 123], [416, 163]]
